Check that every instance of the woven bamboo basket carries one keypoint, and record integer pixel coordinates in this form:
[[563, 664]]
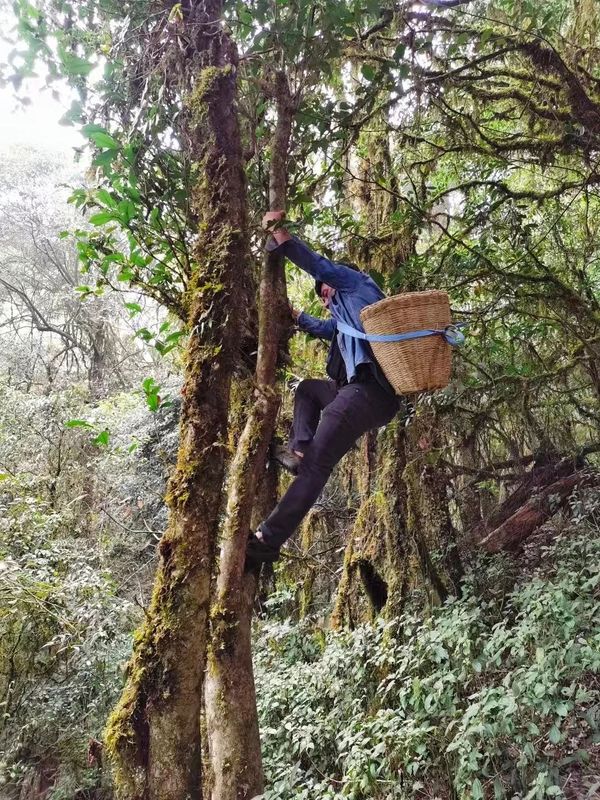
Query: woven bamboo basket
[[416, 365]]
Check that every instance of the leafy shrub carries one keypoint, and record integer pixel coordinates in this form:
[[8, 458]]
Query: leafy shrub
[[64, 633], [66, 585], [492, 696]]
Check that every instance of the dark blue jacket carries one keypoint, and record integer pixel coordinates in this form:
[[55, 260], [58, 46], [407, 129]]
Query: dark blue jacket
[[353, 291]]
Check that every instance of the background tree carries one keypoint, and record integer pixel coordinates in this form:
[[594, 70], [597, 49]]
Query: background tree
[[40, 278]]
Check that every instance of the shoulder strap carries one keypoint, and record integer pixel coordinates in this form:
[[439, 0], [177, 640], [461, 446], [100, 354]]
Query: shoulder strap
[[451, 334]]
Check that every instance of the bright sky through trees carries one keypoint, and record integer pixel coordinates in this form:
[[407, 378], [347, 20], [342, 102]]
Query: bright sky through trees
[[36, 124]]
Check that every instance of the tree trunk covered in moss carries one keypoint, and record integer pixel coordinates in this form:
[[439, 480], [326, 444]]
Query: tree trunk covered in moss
[[377, 569], [374, 574], [153, 734], [430, 531], [230, 695], [403, 537]]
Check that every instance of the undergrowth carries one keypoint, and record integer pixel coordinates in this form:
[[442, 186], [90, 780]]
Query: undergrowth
[[495, 695]]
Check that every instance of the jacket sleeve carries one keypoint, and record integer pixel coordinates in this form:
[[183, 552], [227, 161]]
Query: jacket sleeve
[[323, 328], [320, 267]]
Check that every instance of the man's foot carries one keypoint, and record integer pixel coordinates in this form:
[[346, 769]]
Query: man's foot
[[287, 458], [259, 552]]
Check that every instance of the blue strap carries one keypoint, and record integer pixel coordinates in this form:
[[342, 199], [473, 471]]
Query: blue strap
[[451, 334]]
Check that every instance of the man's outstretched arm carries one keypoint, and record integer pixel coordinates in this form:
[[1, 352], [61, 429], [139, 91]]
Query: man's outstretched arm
[[320, 267]]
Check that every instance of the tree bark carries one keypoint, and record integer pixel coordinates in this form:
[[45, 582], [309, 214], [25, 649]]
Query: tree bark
[[374, 575], [230, 695], [153, 734], [533, 481], [518, 527], [429, 525]]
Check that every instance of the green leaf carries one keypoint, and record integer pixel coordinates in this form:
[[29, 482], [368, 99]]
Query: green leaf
[[368, 72], [28, 9], [175, 336], [126, 274], [133, 308], [176, 14], [151, 391], [90, 128], [477, 790], [105, 197], [127, 210], [104, 140], [102, 439], [485, 35], [74, 65], [77, 423], [399, 52], [244, 16], [144, 334], [149, 385], [153, 402], [105, 159], [138, 260], [102, 217], [73, 115], [554, 735]]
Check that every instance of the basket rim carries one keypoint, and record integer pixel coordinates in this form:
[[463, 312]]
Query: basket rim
[[428, 297], [386, 316]]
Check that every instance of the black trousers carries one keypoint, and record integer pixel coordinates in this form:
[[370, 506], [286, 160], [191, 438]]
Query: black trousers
[[327, 422]]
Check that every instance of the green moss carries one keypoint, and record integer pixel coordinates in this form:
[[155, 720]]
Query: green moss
[[223, 625], [207, 89], [340, 609], [308, 534], [377, 540], [147, 676], [240, 399]]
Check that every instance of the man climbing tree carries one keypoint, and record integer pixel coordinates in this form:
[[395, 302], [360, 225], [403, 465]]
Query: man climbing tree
[[329, 415]]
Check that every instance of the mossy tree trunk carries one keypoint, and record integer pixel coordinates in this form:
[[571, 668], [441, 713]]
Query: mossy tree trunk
[[431, 534], [375, 576], [153, 734], [403, 538], [378, 569], [230, 696]]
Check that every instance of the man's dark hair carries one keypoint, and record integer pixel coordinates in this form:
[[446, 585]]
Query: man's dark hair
[[348, 264]]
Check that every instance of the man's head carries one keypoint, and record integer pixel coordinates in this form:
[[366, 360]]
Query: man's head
[[326, 292]]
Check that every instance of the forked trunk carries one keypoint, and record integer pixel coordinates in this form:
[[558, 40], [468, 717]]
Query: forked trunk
[[154, 732], [230, 697]]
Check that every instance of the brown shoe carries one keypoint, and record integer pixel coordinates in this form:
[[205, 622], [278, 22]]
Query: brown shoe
[[286, 458]]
